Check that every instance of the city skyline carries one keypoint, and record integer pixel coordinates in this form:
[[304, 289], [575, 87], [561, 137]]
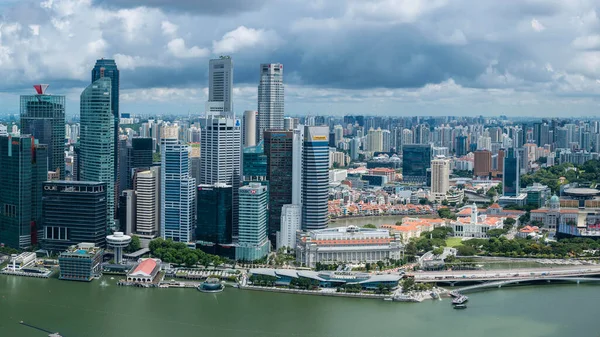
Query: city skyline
[[451, 62]]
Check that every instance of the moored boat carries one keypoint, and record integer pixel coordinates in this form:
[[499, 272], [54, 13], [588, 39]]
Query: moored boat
[[460, 300]]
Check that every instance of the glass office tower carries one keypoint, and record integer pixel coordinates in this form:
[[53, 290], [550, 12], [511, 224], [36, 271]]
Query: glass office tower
[[315, 178], [22, 172], [416, 159], [43, 117], [65, 225], [97, 140], [510, 174]]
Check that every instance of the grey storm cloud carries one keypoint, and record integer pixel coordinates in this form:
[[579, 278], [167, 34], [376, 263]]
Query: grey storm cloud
[[550, 47], [212, 7]]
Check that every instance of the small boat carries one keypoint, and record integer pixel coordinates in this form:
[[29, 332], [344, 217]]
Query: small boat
[[434, 295], [460, 306], [460, 300]]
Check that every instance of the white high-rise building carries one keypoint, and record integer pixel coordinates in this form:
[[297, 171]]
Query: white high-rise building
[[270, 98], [484, 143], [249, 130], [338, 131], [178, 191], [407, 137], [375, 140], [440, 175], [290, 123], [386, 140], [147, 187], [220, 86], [220, 148], [291, 222]]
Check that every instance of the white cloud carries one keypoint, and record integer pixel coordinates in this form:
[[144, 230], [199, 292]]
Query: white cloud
[[537, 26], [457, 38], [394, 10], [244, 38], [178, 49], [129, 62], [587, 42], [586, 63], [168, 27], [35, 29], [163, 95]]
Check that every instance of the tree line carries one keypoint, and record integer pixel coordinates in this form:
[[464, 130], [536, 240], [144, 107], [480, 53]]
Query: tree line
[[180, 254]]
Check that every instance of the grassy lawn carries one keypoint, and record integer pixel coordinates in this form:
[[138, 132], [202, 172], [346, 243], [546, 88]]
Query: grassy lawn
[[453, 242]]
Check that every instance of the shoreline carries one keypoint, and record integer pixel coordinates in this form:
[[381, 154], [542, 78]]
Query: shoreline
[[314, 292]]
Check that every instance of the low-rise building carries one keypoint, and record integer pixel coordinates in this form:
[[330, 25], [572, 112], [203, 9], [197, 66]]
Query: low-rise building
[[337, 175], [18, 262], [328, 279], [414, 227], [347, 245], [81, 262], [476, 226], [494, 210], [145, 271], [553, 215], [526, 231], [537, 194]]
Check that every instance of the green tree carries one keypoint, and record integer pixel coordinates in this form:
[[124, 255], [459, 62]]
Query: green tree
[[369, 225], [463, 250], [496, 232], [408, 284], [134, 245], [438, 251], [446, 213]]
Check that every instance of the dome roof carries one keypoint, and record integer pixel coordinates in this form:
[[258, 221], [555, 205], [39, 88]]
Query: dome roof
[[554, 199]]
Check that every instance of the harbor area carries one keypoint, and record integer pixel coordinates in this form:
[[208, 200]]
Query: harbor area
[[26, 264]]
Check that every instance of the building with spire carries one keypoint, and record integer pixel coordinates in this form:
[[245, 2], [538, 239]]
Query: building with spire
[[43, 117]]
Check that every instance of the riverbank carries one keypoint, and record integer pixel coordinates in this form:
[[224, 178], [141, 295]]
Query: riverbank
[[100, 309], [319, 292]]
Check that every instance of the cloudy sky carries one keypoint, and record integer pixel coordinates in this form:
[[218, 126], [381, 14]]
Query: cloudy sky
[[394, 57]]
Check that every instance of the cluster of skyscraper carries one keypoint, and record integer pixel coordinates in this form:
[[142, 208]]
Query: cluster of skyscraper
[[250, 170], [235, 187]]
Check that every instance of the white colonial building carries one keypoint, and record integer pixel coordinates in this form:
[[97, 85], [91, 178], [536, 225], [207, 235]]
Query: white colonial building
[[476, 226], [347, 245]]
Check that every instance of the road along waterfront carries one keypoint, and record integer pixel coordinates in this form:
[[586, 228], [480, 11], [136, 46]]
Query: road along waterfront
[[101, 308]]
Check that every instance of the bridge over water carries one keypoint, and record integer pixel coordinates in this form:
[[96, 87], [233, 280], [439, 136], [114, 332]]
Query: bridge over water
[[509, 276], [549, 279]]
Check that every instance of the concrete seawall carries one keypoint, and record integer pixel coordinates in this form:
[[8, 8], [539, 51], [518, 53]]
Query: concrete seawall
[[312, 292]]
